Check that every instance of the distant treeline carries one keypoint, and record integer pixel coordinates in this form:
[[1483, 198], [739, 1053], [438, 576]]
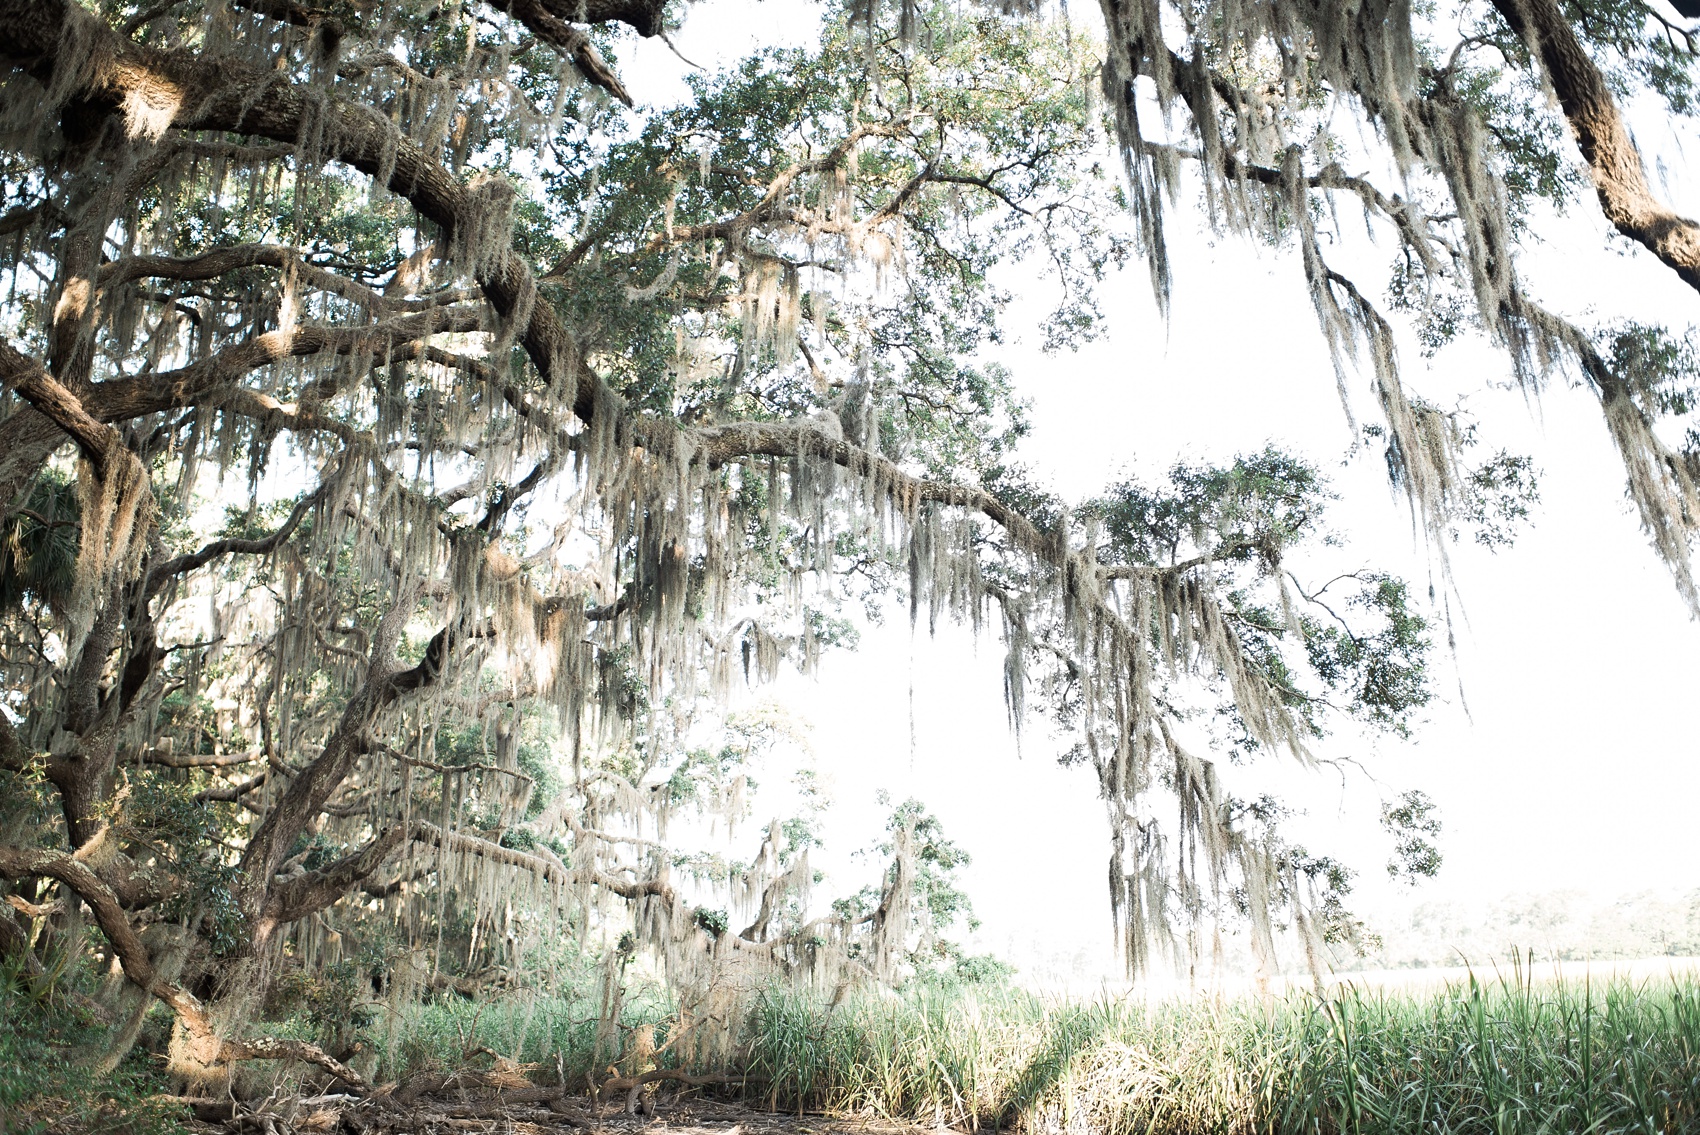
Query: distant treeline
[[1557, 925]]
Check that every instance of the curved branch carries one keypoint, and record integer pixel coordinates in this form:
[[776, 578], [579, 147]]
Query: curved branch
[[28, 379], [567, 40], [434, 836], [195, 760], [181, 565], [1613, 161], [314, 891], [767, 208], [120, 399], [219, 261], [138, 966]]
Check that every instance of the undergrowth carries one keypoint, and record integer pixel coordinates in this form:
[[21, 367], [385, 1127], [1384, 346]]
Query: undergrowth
[[49, 1031], [1502, 1057], [1510, 1055]]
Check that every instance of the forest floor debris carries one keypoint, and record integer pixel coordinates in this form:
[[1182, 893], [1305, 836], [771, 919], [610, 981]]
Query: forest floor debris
[[532, 1111]]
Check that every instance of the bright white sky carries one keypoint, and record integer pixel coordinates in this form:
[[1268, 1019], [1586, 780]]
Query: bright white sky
[[1576, 766]]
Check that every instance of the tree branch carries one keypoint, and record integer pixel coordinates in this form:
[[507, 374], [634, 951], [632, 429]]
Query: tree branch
[[196, 760], [314, 891], [99, 442], [259, 546], [566, 39], [1613, 161], [138, 966]]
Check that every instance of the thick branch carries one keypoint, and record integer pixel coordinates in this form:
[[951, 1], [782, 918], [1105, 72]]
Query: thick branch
[[199, 760], [122, 399], [1613, 161], [138, 966], [290, 12], [434, 836], [31, 382], [566, 39], [644, 16], [720, 444], [316, 890], [28, 863], [217, 262]]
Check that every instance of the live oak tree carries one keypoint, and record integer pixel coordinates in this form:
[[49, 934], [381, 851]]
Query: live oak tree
[[408, 446]]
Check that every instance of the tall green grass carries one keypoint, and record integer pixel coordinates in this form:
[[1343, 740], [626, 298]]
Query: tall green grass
[[43, 1090], [1507, 1056]]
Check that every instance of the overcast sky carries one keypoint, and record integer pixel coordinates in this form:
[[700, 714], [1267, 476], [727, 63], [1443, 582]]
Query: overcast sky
[[1575, 766]]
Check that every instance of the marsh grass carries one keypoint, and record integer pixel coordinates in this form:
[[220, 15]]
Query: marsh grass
[[1508, 1055]]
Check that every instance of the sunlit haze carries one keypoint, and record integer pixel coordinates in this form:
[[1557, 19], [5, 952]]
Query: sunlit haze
[[1562, 751]]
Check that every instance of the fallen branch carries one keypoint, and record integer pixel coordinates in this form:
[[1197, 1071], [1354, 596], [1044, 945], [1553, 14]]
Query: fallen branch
[[664, 1075], [494, 1105]]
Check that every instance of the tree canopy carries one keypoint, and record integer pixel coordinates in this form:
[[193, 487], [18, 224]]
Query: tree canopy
[[408, 445]]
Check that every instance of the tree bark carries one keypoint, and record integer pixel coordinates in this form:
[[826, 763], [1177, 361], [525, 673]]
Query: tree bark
[[1613, 162]]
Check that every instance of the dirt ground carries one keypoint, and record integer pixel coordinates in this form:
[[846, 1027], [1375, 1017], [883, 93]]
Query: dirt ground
[[347, 1115]]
